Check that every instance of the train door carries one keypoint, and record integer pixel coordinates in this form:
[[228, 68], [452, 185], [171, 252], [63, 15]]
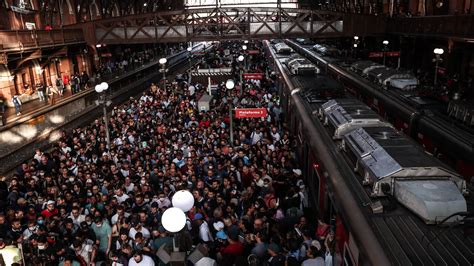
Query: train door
[[350, 253], [316, 183]]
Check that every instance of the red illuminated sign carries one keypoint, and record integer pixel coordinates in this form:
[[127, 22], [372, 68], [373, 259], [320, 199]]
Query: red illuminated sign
[[393, 54], [253, 76], [375, 54], [250, 113], [253, 52], [388, 54]]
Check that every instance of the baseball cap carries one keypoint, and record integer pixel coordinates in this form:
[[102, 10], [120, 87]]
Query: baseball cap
[[316, 244], [197, 216], [218, 225], [51, 202], [297, 171], [274, 247], [221, 235]]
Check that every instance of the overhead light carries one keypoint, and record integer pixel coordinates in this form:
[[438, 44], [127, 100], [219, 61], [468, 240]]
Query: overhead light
[[385, 42], [98, 45], [183, 200], [144, 4], [229, 84], [356, 37], [163, 61], [355, 45], [438, 51]]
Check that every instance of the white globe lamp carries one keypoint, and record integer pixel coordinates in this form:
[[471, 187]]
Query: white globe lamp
[[183, 200], [240, 58], [104, 86], [173, 220], [163, 61], [98, 88], [229, 84], [438, 51]]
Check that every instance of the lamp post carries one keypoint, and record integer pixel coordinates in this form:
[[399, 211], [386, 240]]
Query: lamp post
[[385, 46], [241, 58], [162, 62], [189, 56], [355, 45], [230, 85], [244, 47], [438, 52], [101, 90]]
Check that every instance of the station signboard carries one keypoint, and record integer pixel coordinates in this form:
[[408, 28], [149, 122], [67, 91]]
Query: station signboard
[[253, 52], [392, 54], [375, 54], [253, 76], [250, 112], [381, 54]]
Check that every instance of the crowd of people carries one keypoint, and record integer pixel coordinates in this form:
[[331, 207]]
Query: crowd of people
[[84, 203]]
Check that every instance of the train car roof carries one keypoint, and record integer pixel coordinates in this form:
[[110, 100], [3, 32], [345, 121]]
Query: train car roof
[[403, 150]]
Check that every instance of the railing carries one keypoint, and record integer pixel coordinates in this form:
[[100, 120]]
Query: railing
[[27, 39], [456, 26]]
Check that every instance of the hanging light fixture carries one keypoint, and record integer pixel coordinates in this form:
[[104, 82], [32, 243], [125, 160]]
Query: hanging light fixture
[[173, 220], [183, 200]]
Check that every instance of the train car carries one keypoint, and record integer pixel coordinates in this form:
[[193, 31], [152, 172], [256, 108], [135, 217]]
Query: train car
[[345, 115], [448, 140], [362, 67], [379, 189], [301, 66], [282, 48]]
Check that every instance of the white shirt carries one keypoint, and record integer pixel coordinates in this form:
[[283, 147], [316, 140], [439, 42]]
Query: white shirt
[[122, 198], [143, 230], [81, 218], [256, 137], [204, 233], [146, 261], [130, 187], [114, 218], [275, 136], [11, 254], [312, 262], [86, 251]]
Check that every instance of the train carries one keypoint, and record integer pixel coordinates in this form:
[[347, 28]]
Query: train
[[423, 119], [386, 197]]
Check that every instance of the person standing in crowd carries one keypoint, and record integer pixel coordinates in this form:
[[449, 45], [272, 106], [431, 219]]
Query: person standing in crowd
[[139, 259], [84, 80], [17, 103], [60, 86], [40, 89], [66, 82], [103, 234]]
